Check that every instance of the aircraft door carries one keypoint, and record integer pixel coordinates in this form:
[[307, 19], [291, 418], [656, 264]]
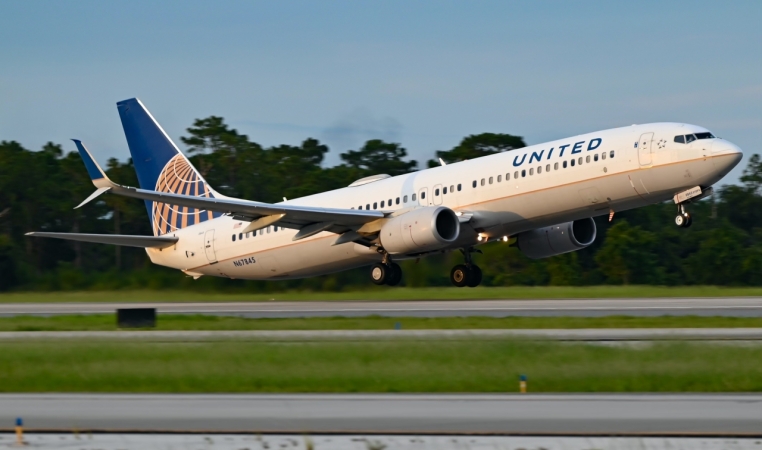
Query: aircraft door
[[209, 246], [645, 148], [437, 198], [423, 199]]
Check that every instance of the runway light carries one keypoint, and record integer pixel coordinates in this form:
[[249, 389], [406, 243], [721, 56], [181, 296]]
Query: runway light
[[523, 384], [480, 237], [505, 238], [19, 431]]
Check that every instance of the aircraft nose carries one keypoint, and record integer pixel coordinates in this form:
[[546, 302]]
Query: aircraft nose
[[729, 153]]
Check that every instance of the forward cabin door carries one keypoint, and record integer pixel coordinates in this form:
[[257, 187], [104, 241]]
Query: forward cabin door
[[209, 246], [645, 149]]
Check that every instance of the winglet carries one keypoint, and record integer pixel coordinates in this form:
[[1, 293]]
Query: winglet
[[97, 175]]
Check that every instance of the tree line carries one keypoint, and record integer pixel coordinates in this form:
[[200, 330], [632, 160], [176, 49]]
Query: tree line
[[38, 190]]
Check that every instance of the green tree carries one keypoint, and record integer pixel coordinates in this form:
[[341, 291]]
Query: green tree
[[478, 145], [377, 156], [627, 256]]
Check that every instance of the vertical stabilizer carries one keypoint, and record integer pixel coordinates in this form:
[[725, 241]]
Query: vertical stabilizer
[[161, 166]]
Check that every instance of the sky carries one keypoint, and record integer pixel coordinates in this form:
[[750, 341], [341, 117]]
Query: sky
[[423, 73]]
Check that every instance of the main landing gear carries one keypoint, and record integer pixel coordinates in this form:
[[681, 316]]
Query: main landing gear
[[468, 274], [386, 272], [683, 219]]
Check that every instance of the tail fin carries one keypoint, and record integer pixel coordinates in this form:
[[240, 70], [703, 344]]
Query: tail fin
[[161, 166]]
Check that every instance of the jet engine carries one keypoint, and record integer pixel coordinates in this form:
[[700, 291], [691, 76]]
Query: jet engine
[[420, 230], [557, 239]]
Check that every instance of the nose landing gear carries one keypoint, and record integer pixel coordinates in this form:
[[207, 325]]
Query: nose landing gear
[[468, 274], [683, 218]]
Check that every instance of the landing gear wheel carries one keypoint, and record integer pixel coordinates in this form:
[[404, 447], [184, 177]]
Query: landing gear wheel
[[459, 275], [474, 276], [683, 220], [379, 273], [394, 276]]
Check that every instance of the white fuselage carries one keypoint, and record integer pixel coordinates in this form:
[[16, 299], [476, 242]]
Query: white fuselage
[[514, 191]]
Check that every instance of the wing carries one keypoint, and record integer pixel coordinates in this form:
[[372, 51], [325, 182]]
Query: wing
[[308, 220]]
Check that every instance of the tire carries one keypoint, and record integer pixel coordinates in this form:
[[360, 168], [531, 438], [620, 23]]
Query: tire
[[680, 220], [395, 275], [474, 276], [688, 220], [379, 273], [459, 275]]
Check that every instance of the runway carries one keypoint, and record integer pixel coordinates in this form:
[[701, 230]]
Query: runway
[[742, 335], [731, 306], [391, 414]]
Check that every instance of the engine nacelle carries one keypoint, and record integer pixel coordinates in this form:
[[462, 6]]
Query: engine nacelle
[[558, 239], [420, 230]]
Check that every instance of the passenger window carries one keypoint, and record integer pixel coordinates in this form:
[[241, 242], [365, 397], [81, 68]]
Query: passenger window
[[531, 171], [474, 184], [595, 157], [490, 180], [261, 231], [413, 197], [539, 169], [507, 176], [382, 203], [444, 190], [240, 236], [234, 238], [367, 206], [689, 138], [397, 202], [268, 230], [375, 205], [555, 166], [248, 235], [499, 178], [436, 192], [680, 139], [587, 159], [515, 174], [483, 182], [547, 168], [603, 155], [572, 163], [458, 187], [404, 199], [275, 229], [452, 189], [359, 207], [564, 164], [611, 154], [523, 173]]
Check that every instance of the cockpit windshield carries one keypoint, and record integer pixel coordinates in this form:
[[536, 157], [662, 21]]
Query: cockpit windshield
[[688, 138]]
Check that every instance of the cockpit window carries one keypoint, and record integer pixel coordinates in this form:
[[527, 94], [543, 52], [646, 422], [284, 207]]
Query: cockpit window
[[680, 139], [689, 138], [706, 135]]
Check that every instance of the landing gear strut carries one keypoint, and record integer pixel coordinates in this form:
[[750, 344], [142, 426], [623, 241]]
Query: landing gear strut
[[468, 274], [386, 272], [683, 219]]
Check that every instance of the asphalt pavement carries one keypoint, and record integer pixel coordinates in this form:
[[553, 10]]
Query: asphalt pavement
[[390, 414], [729, 306]]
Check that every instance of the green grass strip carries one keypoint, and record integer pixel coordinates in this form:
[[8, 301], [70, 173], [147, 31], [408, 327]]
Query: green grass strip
[[105, 322], [379, 366], [386, 293]]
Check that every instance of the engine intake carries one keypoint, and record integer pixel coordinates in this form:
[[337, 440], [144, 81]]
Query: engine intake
[[420, 230], [557, 239]]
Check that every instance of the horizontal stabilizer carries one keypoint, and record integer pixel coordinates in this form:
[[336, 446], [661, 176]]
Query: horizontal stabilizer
[[113, 239]]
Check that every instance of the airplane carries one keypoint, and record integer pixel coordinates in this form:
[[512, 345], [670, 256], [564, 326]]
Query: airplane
[[542, 198]]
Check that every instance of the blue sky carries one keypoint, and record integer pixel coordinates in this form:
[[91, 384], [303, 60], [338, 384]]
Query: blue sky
[[421, 73]]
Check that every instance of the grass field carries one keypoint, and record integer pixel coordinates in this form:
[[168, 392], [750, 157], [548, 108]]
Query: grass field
[[98, 322], [379, 366], [381, 293]]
